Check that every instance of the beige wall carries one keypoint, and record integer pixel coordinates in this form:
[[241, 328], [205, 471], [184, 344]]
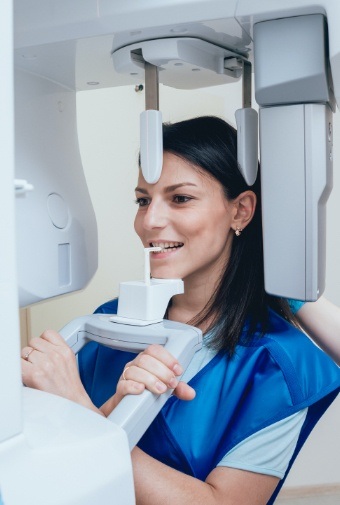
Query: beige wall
[[108, 128]]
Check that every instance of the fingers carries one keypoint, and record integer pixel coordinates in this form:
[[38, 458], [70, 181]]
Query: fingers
[[129, 387], [47, 360], [47, 341], [161, 354], [157, 378], [184, 392], [51, 343], [53, 337], [154, 369]]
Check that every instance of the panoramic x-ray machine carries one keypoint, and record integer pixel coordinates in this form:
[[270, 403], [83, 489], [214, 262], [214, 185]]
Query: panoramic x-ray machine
[[51, 450]]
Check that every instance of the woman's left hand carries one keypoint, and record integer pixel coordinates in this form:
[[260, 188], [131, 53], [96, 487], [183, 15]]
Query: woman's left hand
[[50, 365], [156, 370]]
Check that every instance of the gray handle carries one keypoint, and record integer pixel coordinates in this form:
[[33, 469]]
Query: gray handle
[[135, 412]]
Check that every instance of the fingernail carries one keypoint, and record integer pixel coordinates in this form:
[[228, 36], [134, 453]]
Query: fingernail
[[193, 391], [177, 369], [173, 383], [160, 387]]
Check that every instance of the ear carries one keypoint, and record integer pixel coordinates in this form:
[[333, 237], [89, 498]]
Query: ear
[[244, 209]]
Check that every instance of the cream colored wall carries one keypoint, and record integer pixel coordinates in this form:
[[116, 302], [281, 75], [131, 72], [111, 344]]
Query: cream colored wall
[[108, 128]]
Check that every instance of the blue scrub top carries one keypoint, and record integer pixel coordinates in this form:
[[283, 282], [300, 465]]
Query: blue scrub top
[[268, 379]]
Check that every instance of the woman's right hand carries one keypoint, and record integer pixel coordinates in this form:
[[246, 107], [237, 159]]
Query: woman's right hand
[[48, 364], [154, 369]]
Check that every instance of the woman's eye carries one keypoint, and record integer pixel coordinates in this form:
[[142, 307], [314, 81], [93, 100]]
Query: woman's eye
[[181, 198], [142, 202]]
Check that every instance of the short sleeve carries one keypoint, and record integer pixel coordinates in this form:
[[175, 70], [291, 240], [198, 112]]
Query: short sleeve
[[295, 305], [268, 451]]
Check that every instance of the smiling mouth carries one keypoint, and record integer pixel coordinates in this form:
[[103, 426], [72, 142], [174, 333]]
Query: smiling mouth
[[166, 246]]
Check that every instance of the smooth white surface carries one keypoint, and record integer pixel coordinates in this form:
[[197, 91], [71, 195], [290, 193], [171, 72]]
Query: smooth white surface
[[185, 62], [80, 40], [66, 455], [147, 269], [247, 143], [10, 393], [296, 178], [56, 231], [147, 302], [151, 145]]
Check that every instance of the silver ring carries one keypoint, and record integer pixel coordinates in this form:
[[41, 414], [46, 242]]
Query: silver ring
[[123, 374]]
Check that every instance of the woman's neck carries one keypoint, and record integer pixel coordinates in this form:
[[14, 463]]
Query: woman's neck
[[187, 306]]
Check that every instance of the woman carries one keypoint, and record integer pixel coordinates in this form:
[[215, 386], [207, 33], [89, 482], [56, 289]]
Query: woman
[[260, 384]]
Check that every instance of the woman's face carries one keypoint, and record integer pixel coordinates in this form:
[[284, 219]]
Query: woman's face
[[187, 215]]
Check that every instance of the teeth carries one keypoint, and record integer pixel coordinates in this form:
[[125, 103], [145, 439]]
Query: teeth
[[165, 246]]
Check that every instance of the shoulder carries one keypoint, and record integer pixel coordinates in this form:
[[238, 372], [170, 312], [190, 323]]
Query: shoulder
[[282, 338], [306, 369]]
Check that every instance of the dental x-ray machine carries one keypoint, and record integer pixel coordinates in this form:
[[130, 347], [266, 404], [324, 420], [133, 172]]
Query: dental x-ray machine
[[51, 450]]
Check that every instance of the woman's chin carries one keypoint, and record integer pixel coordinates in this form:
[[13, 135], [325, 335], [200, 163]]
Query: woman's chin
[[162, 273]]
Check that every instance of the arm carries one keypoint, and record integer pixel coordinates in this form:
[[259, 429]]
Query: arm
[[51, 366], [48, 364], [156, 483], [321, 321]]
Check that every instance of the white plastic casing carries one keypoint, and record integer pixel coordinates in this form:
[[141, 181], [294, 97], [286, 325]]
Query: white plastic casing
[[56, 230], [247, 143], [151, 145], [141, 303], [296, 177], [180, 60]]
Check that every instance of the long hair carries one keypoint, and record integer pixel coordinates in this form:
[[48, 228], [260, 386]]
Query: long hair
[[209, 143]]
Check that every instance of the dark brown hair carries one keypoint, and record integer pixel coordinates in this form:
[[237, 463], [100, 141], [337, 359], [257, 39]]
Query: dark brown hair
[[209, 143]]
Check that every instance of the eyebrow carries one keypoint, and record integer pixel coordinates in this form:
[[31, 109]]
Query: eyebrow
[[169, 189]]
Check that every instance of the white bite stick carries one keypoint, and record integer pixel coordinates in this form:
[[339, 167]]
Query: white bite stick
[[147, 251]]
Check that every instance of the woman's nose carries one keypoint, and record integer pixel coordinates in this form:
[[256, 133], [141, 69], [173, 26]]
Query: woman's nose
[[155, 216]]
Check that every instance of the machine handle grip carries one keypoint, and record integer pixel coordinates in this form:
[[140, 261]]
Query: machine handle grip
[[135, 412]]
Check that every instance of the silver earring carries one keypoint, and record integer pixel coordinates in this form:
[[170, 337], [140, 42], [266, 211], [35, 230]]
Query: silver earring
[[238, 231]]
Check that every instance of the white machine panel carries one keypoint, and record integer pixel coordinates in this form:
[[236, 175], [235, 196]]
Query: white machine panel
[[66, 455], [296, 164], [56, 228]]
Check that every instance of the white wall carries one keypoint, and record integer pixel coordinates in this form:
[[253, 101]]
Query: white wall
[[108, 127]]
